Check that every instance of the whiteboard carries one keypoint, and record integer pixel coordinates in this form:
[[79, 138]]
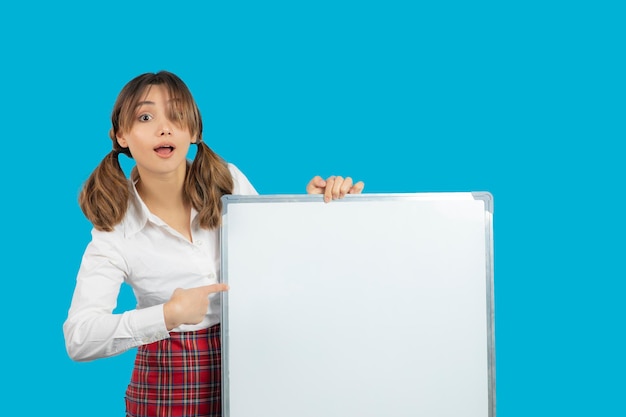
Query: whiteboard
[[373, 305]]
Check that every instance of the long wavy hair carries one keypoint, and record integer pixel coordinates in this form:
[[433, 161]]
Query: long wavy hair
[[105, 195]]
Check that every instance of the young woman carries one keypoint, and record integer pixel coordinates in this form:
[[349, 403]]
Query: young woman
[[158, 232]]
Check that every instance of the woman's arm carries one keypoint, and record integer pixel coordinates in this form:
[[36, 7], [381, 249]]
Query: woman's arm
[[91, 329]]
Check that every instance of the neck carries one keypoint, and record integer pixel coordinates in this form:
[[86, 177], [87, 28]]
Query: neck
[[163, 195], [161, 191]]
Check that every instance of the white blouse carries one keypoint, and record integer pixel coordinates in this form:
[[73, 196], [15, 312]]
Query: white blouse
[[154, 260]]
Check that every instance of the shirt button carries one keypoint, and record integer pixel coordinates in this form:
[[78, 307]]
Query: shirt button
[[199, 243]]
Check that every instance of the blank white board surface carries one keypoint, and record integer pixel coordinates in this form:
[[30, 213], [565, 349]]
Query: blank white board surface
[[373, 305]]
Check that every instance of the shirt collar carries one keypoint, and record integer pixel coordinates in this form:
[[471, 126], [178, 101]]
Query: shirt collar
[[138, 214]]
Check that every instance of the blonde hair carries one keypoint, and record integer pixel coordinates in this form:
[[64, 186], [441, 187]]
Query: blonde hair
[[106, 193]]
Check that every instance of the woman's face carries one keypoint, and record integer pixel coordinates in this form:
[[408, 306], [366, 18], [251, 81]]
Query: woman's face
[[158, 144]]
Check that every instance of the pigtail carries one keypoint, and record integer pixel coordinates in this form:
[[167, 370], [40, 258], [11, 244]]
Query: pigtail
[[105, 195], [207, 180]]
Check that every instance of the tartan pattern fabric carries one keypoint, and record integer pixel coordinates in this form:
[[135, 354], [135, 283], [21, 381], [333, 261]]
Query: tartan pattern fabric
[[177, 377]]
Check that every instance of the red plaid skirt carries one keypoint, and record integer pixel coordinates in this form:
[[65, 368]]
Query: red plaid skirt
[[177, 377]]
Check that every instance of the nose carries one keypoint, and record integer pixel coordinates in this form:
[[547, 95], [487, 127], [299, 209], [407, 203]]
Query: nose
[[165, 128]]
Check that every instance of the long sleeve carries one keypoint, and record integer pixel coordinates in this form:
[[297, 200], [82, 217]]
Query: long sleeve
[[92, 330]]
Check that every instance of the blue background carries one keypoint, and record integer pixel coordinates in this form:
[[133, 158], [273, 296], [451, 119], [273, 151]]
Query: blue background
[[524, 99]]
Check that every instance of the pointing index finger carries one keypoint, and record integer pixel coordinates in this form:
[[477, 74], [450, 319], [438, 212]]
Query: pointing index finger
[[215, 288]]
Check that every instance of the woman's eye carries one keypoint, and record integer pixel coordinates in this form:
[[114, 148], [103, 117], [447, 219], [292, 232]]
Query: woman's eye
[[145, 117]]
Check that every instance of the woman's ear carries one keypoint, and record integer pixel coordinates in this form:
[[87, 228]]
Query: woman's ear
[[121, 141]]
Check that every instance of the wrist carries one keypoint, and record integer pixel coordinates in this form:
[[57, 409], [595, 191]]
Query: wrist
[[170, 315]]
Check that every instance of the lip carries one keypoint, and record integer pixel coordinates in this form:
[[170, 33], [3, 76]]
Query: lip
[[164, 149]]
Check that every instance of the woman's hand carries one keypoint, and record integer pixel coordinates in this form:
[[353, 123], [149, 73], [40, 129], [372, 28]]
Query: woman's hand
[[333, 187], [189, 306]]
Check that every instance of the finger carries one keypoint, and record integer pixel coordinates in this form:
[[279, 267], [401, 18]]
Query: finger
[[336, 189], [345, 187], [357, 188], [328, 191], [215, 288], [316, 185]]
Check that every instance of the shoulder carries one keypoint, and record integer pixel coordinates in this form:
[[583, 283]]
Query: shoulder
[[242, 186], [135, 218], [105, 247]]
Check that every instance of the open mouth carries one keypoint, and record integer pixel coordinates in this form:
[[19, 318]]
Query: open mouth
[[164, 149]]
